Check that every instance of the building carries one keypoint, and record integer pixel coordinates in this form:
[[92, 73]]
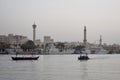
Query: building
[[13, 39], [38, 42], [47, 39], [4, 39]]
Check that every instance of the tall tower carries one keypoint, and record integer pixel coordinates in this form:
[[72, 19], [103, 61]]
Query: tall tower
[[34, 31], [85, 36], [100, 41]]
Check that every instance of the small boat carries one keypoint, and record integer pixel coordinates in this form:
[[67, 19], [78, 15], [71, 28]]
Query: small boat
[[83, 58], [84, 55], [25, 58]]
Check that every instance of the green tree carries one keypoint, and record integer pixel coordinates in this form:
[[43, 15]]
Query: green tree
[[28, 45]]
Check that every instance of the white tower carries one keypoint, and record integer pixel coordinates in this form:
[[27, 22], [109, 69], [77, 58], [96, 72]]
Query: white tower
[[34, 31], [85, 36]]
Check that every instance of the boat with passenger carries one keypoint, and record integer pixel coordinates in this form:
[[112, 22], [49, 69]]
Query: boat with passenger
[[84, 54], [24, 56], [83, 58]]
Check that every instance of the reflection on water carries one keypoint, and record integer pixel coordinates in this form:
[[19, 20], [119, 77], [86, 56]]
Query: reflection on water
[[84, 70], [61, 67]]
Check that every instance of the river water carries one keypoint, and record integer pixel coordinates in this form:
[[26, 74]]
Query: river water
[[61, 67]]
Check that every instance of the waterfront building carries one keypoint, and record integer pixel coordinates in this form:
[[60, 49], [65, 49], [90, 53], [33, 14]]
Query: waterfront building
[[3, 39], [13, 39], [47, 39], [38, 42], [52, 49]]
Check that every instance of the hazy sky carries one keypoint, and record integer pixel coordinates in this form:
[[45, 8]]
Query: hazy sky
[[63, 20]]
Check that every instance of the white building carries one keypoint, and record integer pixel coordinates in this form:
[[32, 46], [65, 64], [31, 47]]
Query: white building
[[38, 42], [13, 39], [3, 39], [47, 39]]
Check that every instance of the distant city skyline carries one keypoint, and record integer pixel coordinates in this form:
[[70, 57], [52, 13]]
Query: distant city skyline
[[63, 20]]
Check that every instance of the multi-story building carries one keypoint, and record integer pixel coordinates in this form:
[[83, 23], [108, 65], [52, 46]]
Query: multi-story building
[[3, 39], [13, 39]]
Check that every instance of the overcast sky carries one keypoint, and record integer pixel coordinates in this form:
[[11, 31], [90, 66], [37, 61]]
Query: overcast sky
[[63, 20]]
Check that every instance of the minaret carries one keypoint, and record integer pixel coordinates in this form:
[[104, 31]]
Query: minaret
[[34, 31], [85, 36], [100, 41]]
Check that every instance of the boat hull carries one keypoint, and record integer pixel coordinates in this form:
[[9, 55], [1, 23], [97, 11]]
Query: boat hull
[[25, 58], [83, 58]]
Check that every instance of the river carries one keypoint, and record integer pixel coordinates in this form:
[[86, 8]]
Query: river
[[61, 67]]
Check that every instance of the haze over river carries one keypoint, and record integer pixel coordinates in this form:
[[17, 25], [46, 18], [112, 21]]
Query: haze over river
[[61, 67]]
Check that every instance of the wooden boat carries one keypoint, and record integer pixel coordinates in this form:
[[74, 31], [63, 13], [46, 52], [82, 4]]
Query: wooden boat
[[25, 58]]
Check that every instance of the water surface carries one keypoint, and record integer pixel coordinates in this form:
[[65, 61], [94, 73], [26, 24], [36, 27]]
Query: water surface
[[61, 67]]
